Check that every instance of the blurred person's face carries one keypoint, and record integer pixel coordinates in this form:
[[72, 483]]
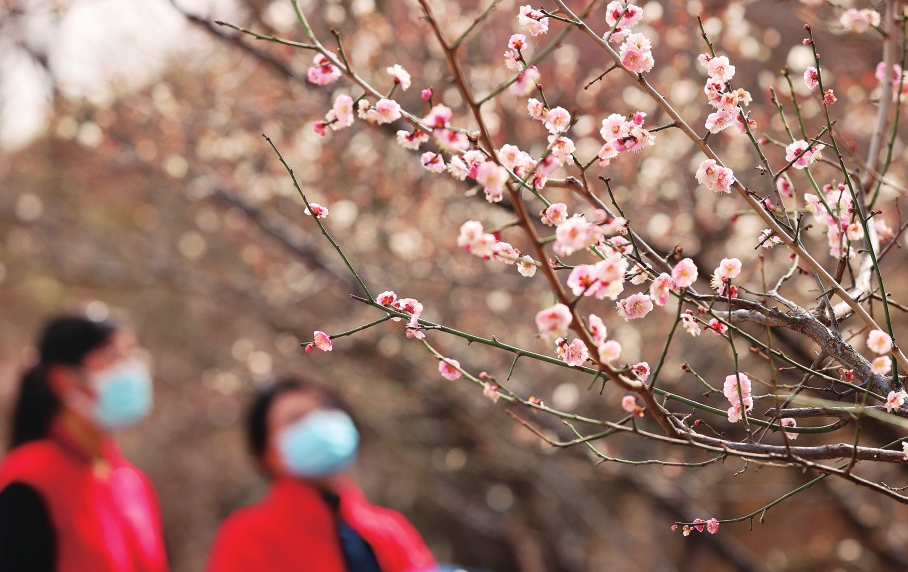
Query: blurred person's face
[[286, 409]]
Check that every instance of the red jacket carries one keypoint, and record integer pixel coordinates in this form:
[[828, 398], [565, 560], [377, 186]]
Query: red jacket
[[294, 529], [105, 519]]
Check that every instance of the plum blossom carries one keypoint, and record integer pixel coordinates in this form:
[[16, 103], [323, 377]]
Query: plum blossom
[[859, 20], [409, 306], [629, 403], [635, 306], [729, 268], [526, 266], [400, 75], [553, 322], [451, 139], [574, 234], [597, 329], [413, 140], [720, 120], [492, 177], [660, 289], [575, 353], [641, 370], [811, 77], [554, 214], [386, 111], [768, 238], [609, 351], [719, 69], [581, 279], [386, 298], [341, 113], [536, 109], [895, 399], [716, 177], [322, 341], [557, 120], [801, 154], [712, 526], [717, 327], [316, 210], [690, 324], [457, 168], [789, 422], [684, 273], [621, 16], [433, 161], [829, 97], [533, 20], [879, 342], [881, 365], [504, 252], [491, 392], [426, 94], [636, 53], [448, 368], [526, 82], [324, 72], [439, 116], [475, 240], [737, 390]]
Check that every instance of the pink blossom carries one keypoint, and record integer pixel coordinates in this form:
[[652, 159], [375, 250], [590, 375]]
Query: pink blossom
[[635, 306], [316, 209], [320, 127], [728, 268], [575, 353], [457, 168], [491, 392], [562, 148], [439, 116], [470, 233], [717, 327], [409, 306], [879, 342], [789, 422], [905, 449], [734, 384], [629, 403], [426, 94], [557, 120], [554, 214], [690, 324], [526, 82], [608, 152], [720, 70], [660, 289], [533, 20], [684, 273], [343, 112], [616, 13], [536, 109], [504, 252], [448, 368], [574, 234], [720, 120], [387, 111], [412, 140], [637, 138], [510, 156], [799, 152], [895, 399], [699, 524], [829, 97], [581, 279], [517, 42], [386, 298], [881, 365], [783, 185], [553, 322], [526, 266], [811, 77], [322, 341], [433, 161], [636, 53], [859, 20], [641, 370], [597, 329], [324, 71], [716, 177], [712, 526], [883, 229], [400, 75], [492, 177], [609, 351], [614, 127]]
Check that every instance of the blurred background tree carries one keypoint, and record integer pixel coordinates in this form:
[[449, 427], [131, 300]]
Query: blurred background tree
[[136, 184]]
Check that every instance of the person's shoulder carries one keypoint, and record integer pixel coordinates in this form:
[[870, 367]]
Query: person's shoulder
[[30, 460], [244, 522]]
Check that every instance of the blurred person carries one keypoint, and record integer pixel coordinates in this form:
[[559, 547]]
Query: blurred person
[[314, 519], [69, 500]]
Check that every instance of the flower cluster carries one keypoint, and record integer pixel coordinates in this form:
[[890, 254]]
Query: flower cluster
[[834, 209], [728, 270], [623, 134], [715, 177], [604, 279], [323, 72], [574, 353], [407, 306], [321, 340], [737, 390], [476, 241], [727, 102], [899, 79], [620, 16], [711, 526], [533, 20], [859, 21], [801, 154], [629, 404]]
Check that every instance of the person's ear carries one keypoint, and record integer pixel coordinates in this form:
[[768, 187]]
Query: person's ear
[[62, 379]]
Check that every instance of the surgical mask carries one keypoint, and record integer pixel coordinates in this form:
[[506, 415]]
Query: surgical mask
[[321, 444], [124, 395]]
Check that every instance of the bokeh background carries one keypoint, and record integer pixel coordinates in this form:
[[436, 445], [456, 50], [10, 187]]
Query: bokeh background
[[135, 184]]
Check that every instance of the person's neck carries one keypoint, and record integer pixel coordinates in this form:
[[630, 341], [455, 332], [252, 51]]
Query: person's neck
[[83, 434]]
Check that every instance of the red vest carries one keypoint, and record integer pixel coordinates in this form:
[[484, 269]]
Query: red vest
[[294, 530], [105, 520]]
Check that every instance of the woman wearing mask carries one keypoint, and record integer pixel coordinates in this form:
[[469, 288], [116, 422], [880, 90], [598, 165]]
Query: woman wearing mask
[[313, 519], [69, 500]]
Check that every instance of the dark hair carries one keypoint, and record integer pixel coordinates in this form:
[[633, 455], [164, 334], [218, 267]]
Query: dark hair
[[65, 340], [257, 421]]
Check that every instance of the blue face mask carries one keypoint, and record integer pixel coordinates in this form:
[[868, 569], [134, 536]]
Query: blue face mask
[[321, 444], [124, 395]]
